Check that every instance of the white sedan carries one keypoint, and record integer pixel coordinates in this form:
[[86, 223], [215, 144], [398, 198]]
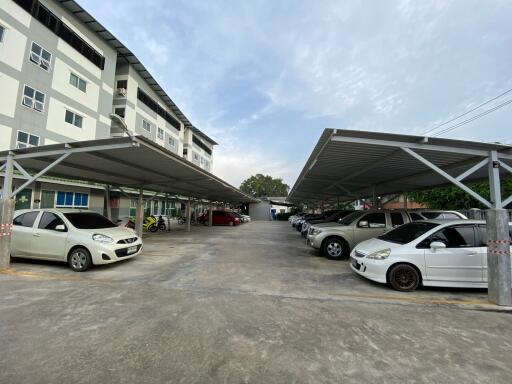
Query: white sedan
[[431, 253], [80, 238]]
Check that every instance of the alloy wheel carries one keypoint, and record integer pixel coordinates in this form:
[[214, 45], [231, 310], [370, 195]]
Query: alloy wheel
[[334, 249], [78, 260]]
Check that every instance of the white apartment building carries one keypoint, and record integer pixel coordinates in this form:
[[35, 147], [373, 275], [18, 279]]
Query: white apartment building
[[63, 78]]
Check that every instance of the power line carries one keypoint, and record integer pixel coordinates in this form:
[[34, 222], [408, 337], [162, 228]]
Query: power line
[[499, 106], [467, 112]]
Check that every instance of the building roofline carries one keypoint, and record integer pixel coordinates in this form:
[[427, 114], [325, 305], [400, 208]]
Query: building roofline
[[127, 56]]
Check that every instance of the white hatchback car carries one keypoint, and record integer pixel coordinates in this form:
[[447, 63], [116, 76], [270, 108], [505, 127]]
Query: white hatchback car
[[432, 253], [80, 238]]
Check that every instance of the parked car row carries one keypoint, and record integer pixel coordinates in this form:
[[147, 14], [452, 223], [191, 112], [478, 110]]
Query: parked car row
[[224, 218], [405, 248], [84, 238]]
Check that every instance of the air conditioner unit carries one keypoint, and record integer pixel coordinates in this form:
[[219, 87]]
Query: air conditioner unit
[[121, 91], [45, 64]]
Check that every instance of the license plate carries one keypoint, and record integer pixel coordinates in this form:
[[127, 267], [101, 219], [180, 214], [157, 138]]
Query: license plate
[[131, 250]]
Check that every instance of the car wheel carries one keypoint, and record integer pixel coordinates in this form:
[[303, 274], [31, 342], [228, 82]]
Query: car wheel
[[335, 248], [231, 223], [80, 260], [404, 278]]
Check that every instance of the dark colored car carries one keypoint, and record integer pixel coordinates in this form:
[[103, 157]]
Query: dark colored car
[[222, 218]]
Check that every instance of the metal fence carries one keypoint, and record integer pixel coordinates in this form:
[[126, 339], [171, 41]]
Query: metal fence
[[479, 214]]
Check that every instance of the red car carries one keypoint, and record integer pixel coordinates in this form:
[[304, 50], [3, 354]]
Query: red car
[[221, 218]]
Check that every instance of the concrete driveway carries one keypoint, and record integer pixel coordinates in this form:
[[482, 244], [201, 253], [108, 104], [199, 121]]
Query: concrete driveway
[[250, 304]]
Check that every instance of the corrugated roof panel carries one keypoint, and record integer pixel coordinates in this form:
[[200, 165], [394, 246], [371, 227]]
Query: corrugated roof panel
[[355, 161]]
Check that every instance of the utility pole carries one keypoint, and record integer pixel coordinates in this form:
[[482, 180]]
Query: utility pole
[[6, 215], [498, 240]]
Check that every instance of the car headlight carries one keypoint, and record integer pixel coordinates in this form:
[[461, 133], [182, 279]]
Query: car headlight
[[379, 255], [316, 231], [102, 238]]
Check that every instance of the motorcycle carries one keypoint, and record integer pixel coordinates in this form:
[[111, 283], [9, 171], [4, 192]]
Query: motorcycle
[[150, 224], [182, 220], [161, 223]]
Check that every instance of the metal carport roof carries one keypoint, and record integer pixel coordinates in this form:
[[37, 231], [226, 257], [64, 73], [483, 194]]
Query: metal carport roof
[[127, 162], [348, 165]]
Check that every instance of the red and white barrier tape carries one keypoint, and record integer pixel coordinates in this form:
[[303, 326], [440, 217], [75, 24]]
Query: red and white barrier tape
[[490, 242]]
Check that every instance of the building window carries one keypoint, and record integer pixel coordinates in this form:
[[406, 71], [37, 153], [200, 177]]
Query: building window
[[146, 125], [40, 56], [77, 82], [122, 84], [32, 98], [81, 200], [72, 199], [73, 118], [206, 165], [133, 208], [120, 112], [172, 142], [2, 33], [195, 157], [153, 105], [26, 140], [160, 133], [185, 152]]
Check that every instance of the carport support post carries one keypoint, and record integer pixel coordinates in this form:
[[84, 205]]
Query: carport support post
[[168, 212], [188, 215], [139, 216], [498, 241], [6, 215], [210, 215], [107, 202]]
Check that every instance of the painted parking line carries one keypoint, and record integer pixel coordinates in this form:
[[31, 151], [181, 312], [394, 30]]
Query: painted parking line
[[414, 299], [44, 276]]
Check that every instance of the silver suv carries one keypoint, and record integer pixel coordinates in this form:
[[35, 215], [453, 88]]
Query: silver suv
[[336, 240]]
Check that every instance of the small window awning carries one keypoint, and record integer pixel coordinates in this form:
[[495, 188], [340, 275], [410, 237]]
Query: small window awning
[[349, 165], [133, 162]]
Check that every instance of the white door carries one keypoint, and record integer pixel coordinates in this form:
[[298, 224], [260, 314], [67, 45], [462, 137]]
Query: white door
[[460, 261], [50, 237], [22, 234]]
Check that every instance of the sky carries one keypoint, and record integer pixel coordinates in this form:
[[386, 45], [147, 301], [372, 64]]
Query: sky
[[265, 77]]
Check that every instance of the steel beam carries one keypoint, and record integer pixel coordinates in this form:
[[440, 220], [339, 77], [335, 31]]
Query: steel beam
[[41, 173], [21, 169], [472, 170], [447, 177], [69, 149], [401, 144]]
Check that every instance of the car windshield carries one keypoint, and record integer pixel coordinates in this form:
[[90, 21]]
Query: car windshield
[[408, 232], [347, 220], [89, 220]]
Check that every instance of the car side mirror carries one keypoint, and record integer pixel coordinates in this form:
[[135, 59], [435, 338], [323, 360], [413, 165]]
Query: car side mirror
[[437, 245], [363, 224], [61, 228]]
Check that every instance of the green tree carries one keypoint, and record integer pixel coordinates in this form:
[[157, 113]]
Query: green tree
[[263, 186], [453, 197]]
